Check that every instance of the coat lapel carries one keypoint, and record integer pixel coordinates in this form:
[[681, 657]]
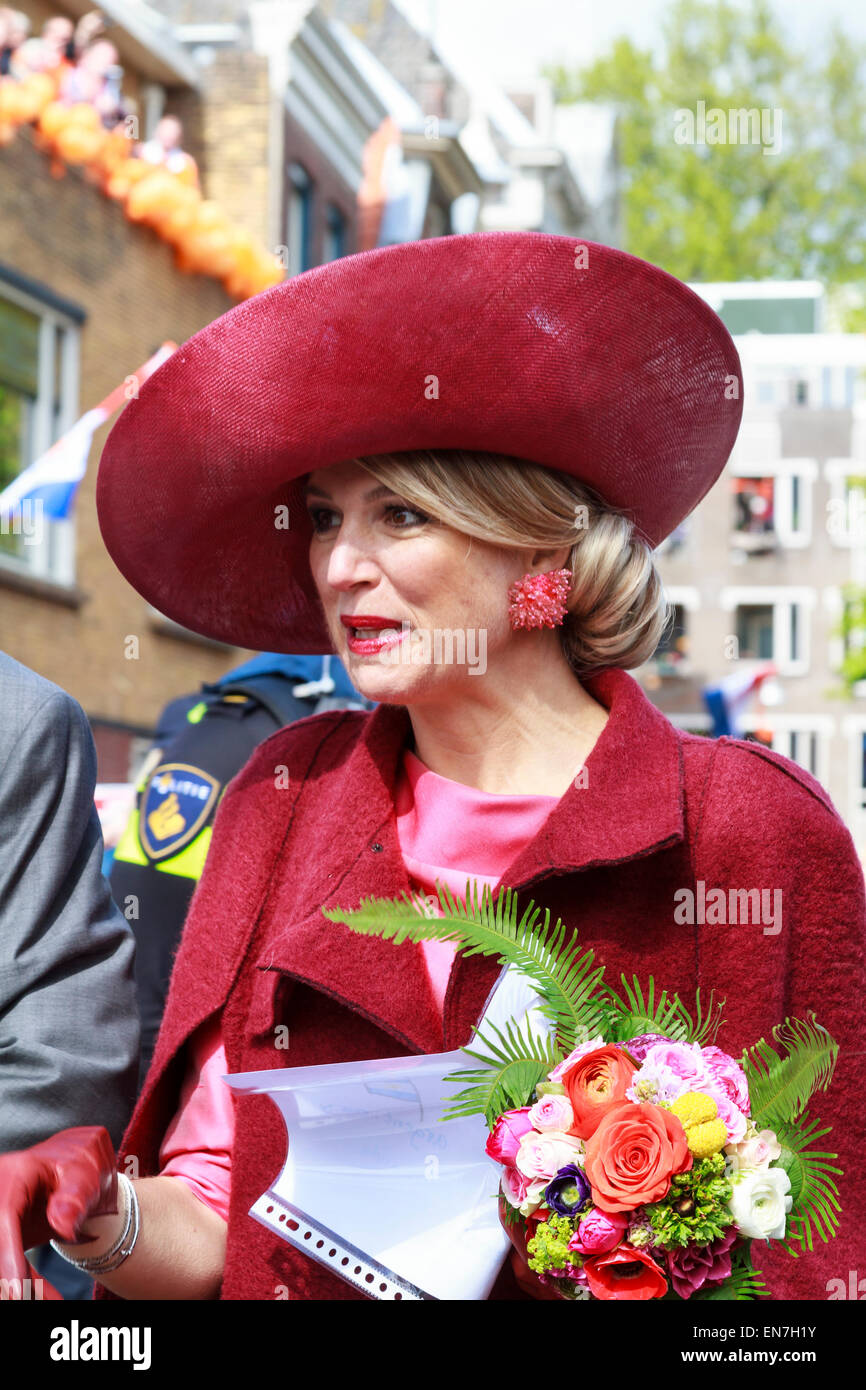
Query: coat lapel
[[352, 851], [631, 805]]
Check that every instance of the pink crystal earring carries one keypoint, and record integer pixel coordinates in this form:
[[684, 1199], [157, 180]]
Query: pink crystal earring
[[538, 600]]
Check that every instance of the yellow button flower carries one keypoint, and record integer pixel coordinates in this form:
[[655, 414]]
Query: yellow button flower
[[698, 1114]]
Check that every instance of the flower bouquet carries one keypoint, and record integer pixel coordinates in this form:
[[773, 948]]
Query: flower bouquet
[[639, 1160]]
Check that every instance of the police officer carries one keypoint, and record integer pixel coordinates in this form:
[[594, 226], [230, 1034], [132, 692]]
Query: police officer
[[202, 741]]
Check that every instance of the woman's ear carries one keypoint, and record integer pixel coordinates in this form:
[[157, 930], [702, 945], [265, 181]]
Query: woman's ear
[[542, 561]]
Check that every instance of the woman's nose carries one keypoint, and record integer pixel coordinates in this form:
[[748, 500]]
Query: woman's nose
[[350, 562]]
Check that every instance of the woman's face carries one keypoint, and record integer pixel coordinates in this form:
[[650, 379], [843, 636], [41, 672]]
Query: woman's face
[[374, 557]]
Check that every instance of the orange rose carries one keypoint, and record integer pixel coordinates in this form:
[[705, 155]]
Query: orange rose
[[595, 1083], [633, 1155]]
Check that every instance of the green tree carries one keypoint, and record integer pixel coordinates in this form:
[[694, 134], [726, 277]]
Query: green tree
[[730, 211]]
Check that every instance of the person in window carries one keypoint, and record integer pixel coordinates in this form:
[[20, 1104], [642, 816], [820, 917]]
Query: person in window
[[484, 436], [14, 29], [48, 52], [165, 148]]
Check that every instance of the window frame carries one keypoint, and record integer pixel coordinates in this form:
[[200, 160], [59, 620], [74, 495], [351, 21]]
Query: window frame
[[783, 472], [854, 728], [835, 472], [822, 727], [781, 600], [51, 558]]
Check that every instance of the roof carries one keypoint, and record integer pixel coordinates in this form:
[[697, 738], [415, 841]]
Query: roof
[[144, 39]]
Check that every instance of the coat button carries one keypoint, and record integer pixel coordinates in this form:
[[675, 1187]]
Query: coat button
[[376, 848]]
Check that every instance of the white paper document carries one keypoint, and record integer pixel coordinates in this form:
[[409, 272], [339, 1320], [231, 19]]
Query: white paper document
[[375, 1186]]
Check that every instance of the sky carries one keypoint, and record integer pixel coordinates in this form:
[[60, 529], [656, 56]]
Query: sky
[[513, 38]]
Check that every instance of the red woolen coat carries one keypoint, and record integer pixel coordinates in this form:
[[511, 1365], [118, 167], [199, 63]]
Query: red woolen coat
[[661, 810]]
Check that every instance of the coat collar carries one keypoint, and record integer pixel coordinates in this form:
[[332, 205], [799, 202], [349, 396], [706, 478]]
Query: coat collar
[[629, 803]]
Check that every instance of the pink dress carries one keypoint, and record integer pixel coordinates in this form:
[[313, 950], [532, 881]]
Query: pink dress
[[446, 831]]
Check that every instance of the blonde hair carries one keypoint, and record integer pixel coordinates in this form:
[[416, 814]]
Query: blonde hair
[[617, 613]]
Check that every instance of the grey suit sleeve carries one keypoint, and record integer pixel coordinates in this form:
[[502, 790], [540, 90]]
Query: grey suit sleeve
[[69, 1027]]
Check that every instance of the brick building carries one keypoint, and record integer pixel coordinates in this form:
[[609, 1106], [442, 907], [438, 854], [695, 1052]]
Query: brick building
[[281, 121], [86, 296], [759, 571]]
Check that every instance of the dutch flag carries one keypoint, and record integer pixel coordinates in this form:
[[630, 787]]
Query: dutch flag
[[728, 700], [52, 480]]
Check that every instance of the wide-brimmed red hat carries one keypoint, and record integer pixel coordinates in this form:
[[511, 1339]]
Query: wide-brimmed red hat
[[570, 354]]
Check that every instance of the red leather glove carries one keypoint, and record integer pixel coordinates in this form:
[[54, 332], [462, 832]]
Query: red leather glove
[[49, 1191]]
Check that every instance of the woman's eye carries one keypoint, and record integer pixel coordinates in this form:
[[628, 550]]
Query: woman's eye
[[318, 516], [401, 510], [322, 517]]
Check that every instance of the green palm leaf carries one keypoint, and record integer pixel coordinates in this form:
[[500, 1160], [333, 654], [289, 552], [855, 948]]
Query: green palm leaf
[[567, 985], [780, 1087], [511, 1069], [814, 1192]]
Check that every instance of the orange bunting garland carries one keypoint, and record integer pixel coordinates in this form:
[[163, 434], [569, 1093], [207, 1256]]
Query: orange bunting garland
[[205, 241]]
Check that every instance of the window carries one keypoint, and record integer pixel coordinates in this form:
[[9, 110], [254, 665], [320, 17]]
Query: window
[[772, 505], [855, 730], [38, 402], [847, 646], [671, 654], [766, 392], [299, 228], [772, 624], [846, 506], [755, 631], [335, 233], [753, 519], [804, 739]]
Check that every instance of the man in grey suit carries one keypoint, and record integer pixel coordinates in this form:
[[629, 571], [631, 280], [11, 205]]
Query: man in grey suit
[[69, 1026]]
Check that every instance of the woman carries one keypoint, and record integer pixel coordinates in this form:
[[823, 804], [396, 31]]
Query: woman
[[525, 755]]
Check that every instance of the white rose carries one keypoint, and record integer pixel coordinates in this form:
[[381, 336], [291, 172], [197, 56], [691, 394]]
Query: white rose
[[760, 1204]]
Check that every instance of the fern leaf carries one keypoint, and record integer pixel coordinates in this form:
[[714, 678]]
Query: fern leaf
[[703, 1030], [780, 1087], [744, 1284], [567, 984], [813, 1189], [511, 1069], [635, 1014]]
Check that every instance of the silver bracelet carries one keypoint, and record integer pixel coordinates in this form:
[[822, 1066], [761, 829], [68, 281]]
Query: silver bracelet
[[122, 1247]]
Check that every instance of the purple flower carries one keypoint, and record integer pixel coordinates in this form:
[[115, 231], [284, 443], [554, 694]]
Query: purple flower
[[640, 1046], [568, 1191], [701, 1266]]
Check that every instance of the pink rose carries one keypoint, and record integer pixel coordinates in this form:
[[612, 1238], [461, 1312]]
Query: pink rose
[[734, 1119], [520, 1192], [598, 1232], [504, 1140], [552, 1112], [729, 1076], [757, 1152], [542, 1155], [684, 1060], [568, 1062]]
